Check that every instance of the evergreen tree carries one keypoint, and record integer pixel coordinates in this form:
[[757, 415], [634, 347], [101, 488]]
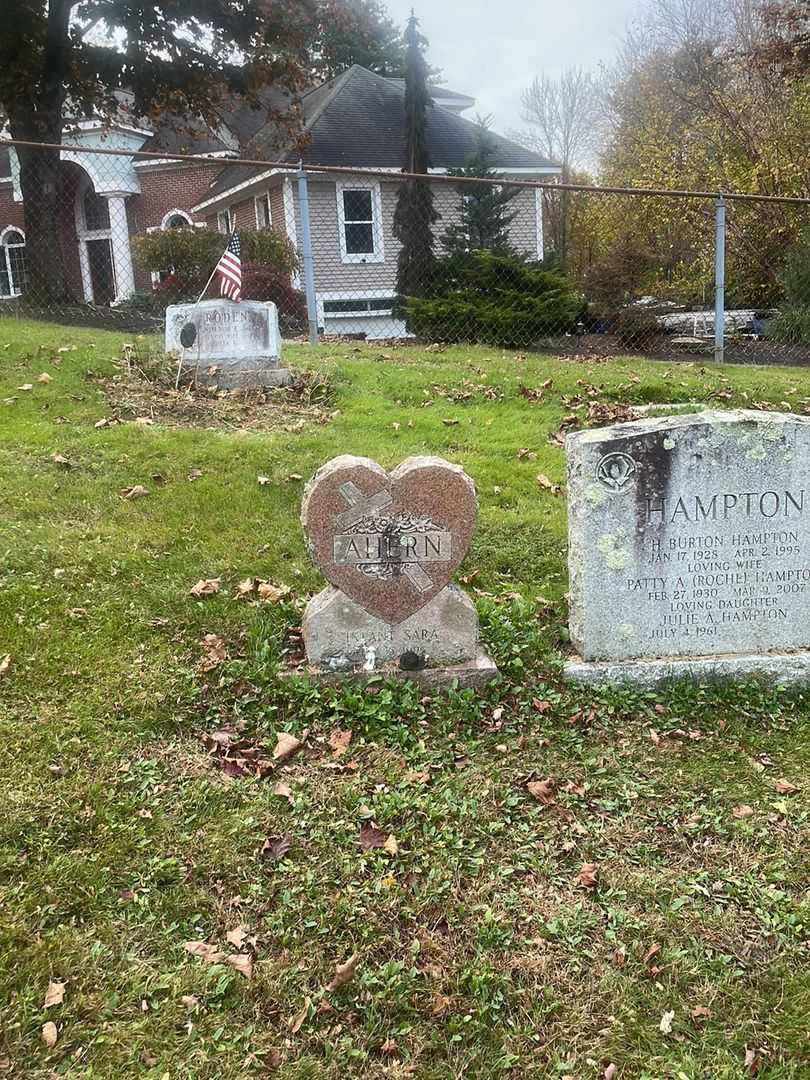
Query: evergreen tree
[[357, 32], [485, 218], [415, 214]]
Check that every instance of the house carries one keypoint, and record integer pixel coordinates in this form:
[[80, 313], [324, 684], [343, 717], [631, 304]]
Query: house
[[352, 122]]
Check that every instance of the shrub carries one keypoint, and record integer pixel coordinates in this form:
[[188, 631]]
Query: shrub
[[791, 326], [189, 254], [635, 329], [266, 283], [493, 299]]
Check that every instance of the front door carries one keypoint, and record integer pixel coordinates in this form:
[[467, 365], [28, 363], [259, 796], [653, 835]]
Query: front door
[[102, 276]]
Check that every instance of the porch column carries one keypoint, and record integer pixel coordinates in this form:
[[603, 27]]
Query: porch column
[[121, 251]]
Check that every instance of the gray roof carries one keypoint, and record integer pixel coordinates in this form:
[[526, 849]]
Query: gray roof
[[358, 119]]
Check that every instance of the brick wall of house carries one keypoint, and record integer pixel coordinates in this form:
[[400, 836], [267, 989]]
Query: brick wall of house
[[162, 190], [11, 213]]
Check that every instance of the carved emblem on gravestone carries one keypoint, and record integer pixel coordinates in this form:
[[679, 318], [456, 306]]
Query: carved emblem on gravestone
[[615, 471]]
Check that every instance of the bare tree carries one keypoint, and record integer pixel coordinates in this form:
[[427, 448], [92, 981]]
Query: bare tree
[[566, 122]]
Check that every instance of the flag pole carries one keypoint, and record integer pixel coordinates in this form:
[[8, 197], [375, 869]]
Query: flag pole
[[196, 305]]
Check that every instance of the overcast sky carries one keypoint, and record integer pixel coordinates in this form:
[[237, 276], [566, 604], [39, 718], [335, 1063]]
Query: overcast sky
[[491, 49]]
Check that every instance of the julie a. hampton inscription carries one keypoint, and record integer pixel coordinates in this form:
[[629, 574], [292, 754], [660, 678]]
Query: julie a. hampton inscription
[[706, 548]]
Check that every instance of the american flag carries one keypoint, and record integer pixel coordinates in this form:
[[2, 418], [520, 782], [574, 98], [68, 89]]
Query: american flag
[[229, 269]]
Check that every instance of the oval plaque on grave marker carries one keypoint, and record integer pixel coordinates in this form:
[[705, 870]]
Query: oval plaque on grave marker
[[188, 335]]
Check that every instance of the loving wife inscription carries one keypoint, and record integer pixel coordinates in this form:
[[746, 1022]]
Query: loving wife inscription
[[690, 537]]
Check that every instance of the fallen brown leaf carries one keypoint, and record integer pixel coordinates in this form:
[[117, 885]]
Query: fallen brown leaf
[[610, 1072], [295, 1022], [209, 953], [391, 845], [286, 746], [190, 1001], [542, 790], [371, 837], [44, 377], [389, 1047], [5, 664], [276, 847], [284, 791], [344, 973], [50, 1034], [742, 811], [440, 1005], [541, 706], [272, 594], [237, 936], [549, 485], [206, 587], [215, 652], [653, 950], [241, 962], [588, 875], [784, 787], [55, 994], [339, 741], [700, 1012], [137, 491]]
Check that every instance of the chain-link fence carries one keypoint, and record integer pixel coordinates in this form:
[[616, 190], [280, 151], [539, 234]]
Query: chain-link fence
[[110, 237]]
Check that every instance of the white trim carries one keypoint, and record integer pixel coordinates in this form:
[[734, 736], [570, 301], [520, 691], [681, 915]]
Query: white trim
[[231, 191], [544, 170], [85, 126], [146, 163], [265, 197], [288, 196], [177, 212], [354, 294], [5, 249], [376, 222], [538, 221]]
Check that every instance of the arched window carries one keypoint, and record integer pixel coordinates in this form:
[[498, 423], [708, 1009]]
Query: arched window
[[176, 219], [12, 262]]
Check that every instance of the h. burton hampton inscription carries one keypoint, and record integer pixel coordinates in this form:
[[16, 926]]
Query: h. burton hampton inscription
[[690, 537]]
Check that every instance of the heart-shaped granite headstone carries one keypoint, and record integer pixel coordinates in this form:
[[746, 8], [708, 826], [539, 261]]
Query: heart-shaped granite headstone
[[391, 543]]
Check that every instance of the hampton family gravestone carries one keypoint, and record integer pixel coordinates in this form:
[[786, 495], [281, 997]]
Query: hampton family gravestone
[[689, 548], [389, 545], [227, 344]]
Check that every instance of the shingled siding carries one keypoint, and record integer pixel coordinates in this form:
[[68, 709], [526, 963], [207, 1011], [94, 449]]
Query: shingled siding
[[332, 274]]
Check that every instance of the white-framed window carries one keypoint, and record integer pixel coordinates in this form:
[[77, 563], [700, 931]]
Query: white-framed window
[[12, 261], [224, 222], [176, 219], [264, 215], [359, 209], [359, 305]]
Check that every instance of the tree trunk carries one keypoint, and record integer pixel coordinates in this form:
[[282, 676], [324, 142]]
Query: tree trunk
[[39, 119], [39, 182]]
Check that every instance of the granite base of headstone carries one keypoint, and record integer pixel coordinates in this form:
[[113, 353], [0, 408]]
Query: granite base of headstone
[[226, 344], [389, 545], [689, 549]]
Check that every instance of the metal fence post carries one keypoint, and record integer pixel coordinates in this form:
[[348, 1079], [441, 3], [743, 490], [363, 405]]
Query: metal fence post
[[720, 281], [307, 259]]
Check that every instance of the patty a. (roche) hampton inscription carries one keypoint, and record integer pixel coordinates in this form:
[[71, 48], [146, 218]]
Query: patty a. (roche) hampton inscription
[[694, 541]]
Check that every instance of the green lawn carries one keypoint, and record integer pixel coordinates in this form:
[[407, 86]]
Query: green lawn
[[484, 949]]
